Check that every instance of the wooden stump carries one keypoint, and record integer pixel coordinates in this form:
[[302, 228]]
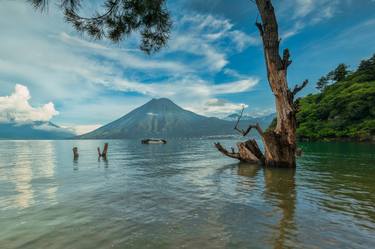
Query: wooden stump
[[104, 153], [75, 153]]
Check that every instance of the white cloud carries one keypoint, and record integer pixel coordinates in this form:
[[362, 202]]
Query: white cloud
[[303, 8], [75, 72], [306, 13], [218, 107], [16, 107], [211, 37], [192, 93], [185, 88]]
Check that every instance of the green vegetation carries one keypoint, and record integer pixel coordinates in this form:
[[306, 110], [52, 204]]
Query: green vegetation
[[345, 107]]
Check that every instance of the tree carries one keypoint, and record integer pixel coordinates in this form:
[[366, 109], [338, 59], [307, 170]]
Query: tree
[[366, 69], [120, 18], [279, 143], [322, 83], [340, 72]]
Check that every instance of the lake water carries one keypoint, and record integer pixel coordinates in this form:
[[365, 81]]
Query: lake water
[[183, 195]]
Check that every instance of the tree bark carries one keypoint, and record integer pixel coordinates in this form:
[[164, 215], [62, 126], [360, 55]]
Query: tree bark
[[280, 143]]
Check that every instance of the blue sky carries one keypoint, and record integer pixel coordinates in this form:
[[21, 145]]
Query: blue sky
[[212, 65]]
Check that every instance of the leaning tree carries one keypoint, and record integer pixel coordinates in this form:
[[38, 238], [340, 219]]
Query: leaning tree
[[151, 20]]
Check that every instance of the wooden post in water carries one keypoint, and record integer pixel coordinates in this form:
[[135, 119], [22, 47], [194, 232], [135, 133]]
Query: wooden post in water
[[75, 153], [104, 153]]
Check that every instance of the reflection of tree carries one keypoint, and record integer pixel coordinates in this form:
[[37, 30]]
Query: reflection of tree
[[280, 188], [245, 169]]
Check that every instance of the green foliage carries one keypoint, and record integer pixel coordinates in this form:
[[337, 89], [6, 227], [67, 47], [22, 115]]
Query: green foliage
[[119, 19], [322, 83], [340, 72], [344, 110], [365, 72]]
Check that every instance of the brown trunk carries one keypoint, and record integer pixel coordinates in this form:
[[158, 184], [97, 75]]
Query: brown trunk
[[280, 143]]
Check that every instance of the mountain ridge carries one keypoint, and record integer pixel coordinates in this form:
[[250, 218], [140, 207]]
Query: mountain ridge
[[33, 130]]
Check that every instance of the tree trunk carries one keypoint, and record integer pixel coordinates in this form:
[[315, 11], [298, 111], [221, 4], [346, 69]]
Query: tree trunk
[[280, 143]]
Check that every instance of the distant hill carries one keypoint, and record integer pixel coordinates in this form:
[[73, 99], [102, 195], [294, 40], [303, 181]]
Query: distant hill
[[343, 110], [162, 118], [33, 130]]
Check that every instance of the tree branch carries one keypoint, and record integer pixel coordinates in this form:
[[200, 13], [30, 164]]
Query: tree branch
[[227, 153], [111, 7], [245, 132], [298, 88], [253, 126], [260, 27], [286, 58]]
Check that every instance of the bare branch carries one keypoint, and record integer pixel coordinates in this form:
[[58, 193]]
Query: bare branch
[[227, 153], [239, 118], [245, 132], [298, 88], [260, 27], [247, 152], [286, 58]]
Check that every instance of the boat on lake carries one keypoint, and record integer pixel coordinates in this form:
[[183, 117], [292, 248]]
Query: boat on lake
[[154, 141]]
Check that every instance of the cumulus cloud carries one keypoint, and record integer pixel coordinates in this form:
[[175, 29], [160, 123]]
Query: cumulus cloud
[[17, 108]]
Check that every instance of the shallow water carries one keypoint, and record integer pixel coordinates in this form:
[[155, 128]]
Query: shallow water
[[183, 195]]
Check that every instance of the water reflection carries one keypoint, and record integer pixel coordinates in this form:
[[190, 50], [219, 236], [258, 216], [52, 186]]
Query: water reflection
[[180, 195], [280, 187], [21, 174], [45, 168], [280, 190], [75, 164], [33, 179]]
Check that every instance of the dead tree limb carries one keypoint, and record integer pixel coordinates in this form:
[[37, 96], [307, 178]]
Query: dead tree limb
[[245, 132], [298, 88], [226, 152], [286, 60], [247, 152]]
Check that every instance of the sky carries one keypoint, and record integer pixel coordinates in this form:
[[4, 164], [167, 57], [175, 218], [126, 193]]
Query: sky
[[213, 63]]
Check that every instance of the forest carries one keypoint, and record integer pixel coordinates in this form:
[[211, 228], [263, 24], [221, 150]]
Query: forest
[[343, 109]]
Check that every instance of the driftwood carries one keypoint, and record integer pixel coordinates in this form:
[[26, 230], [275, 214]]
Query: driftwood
[[104, 153], [280, 143]]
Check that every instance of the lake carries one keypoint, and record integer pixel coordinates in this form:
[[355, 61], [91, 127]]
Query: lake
[[184, 194]]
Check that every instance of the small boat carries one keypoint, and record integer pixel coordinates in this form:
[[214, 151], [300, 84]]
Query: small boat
[[154, 141]]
